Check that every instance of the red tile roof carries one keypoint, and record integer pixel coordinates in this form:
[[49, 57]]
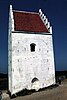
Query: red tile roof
[[30, 22]]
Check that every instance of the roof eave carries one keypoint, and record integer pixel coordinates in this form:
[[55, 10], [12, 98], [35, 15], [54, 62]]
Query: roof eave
[[30, 32]]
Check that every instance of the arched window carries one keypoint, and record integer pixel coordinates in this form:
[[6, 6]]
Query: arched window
[[34, 80], [32, 47]]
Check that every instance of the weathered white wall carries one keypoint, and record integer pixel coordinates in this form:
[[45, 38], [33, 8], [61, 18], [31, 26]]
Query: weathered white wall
[[26, 64], [9, 52], [10, 29]]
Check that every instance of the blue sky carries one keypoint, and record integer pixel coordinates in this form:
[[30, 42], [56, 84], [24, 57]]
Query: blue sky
[[55, 10]]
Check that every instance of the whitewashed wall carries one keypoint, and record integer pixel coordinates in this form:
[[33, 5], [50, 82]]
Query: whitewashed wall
[[9, 52], [10, 29], [26, 64]]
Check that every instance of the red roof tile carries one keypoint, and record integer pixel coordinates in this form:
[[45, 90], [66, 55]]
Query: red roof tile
[[30, 22]]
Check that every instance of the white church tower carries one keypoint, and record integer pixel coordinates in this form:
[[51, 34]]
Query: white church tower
[[30, 51]]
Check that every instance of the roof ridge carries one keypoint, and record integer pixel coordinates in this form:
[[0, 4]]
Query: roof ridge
[[26, 12]]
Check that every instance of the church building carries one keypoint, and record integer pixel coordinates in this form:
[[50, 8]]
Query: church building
[[30, 51]]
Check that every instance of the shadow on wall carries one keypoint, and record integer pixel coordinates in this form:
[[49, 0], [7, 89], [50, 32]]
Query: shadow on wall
[[29, 92]]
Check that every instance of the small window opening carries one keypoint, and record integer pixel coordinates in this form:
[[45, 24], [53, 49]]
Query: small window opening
[[18, 60], [18, 42], [34, 80], [47, 60], [18, 50], [32, 47]]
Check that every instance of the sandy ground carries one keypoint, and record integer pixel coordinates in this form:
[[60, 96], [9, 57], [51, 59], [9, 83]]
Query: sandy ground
[[55, 93]]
